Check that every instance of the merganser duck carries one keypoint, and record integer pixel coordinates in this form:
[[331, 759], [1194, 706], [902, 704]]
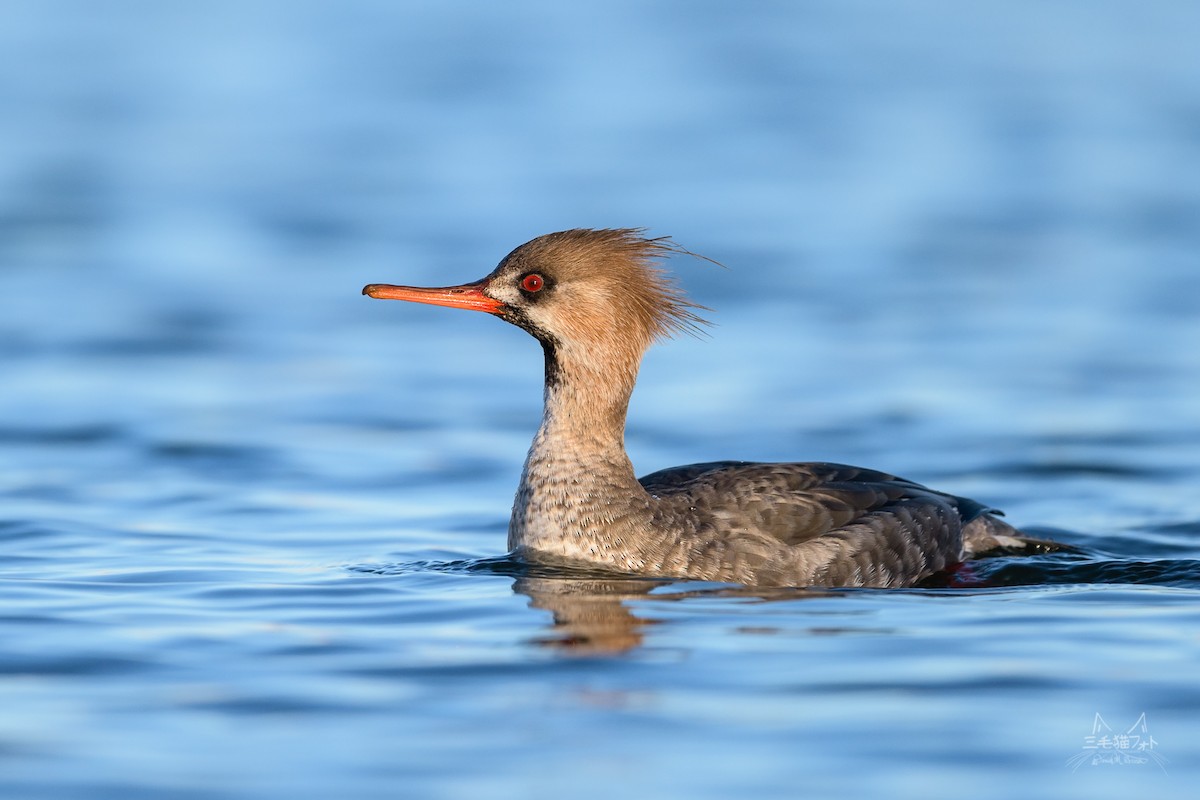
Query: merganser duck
[[596, 300]]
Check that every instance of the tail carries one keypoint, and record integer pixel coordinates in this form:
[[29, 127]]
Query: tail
[[987, 536]]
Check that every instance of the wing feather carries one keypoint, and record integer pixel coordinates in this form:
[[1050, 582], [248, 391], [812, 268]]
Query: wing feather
[[794, 503]]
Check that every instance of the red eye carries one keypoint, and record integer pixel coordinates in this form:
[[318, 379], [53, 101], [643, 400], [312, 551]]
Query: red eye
[[533, 282]]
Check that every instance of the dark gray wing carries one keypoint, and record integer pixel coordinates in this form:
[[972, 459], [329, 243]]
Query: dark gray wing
[[798, 502]]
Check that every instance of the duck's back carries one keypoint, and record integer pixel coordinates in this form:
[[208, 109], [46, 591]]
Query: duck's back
[[812, 523]]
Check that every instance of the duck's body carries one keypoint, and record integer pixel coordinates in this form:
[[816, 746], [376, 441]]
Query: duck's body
[[595, 301]]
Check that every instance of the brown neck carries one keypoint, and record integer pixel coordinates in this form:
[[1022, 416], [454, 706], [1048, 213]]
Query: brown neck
[[585, 399], [577, 477]]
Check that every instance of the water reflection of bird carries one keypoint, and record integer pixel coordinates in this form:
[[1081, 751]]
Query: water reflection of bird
[[594, 616], [596, 300]]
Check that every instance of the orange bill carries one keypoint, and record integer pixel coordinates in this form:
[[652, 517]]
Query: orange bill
[[469, 296]]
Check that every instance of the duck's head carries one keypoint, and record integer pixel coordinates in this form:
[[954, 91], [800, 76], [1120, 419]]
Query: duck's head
[[596, 299]]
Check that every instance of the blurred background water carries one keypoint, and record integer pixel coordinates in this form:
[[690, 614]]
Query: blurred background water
[[252, 523]]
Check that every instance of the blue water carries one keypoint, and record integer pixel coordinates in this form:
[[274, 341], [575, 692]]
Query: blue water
[[253, 524]]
